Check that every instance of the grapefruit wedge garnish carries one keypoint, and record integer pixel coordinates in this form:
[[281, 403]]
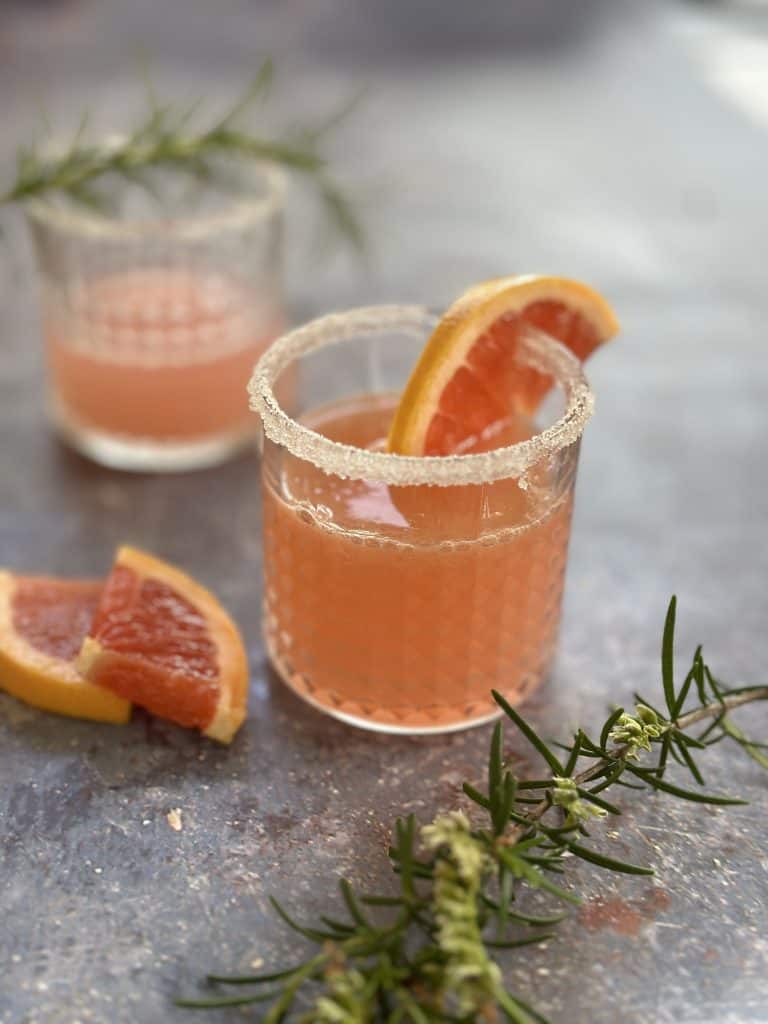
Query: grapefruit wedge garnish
[[42, 625], [162, 641], [467, 378]]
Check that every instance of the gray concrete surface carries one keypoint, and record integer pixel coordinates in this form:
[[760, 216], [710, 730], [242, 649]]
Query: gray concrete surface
[[632, 153]]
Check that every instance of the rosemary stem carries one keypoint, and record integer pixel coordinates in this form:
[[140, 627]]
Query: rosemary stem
[[717, 707]]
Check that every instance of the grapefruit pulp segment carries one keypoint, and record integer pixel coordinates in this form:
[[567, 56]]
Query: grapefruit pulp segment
[[42, 624], [468, 378], [164, 642]]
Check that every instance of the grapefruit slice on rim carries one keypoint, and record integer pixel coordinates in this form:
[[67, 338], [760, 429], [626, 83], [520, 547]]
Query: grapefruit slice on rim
[[163, 641], [467, 378], [42, 624]]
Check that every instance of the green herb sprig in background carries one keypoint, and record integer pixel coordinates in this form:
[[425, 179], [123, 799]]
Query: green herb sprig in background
[[426, 954], [166, 139]]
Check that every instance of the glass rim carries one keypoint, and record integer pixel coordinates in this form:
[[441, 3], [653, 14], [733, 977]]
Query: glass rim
[[234, 215], [540, 350]]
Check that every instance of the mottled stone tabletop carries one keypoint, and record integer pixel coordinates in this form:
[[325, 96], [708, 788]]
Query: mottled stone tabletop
[[623, 143]]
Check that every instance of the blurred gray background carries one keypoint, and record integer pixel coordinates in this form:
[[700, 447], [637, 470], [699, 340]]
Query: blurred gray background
[[609, 139], [622, 142]]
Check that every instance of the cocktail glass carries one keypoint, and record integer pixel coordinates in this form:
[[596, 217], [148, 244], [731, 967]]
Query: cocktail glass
[[399, 591], [154, 314]]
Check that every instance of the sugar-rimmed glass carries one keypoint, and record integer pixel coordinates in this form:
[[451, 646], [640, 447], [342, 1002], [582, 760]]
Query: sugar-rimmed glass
[[400, 590], [154, 315]]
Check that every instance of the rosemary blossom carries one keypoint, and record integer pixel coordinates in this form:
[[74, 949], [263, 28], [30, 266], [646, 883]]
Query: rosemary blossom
[[468, 972]]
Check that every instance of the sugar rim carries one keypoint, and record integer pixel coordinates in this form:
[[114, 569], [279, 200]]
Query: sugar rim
[[540, 351], [234, 216]]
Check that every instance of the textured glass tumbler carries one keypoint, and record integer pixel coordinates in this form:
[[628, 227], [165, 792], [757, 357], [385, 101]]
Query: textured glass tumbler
[[154, 316], [399, 591]]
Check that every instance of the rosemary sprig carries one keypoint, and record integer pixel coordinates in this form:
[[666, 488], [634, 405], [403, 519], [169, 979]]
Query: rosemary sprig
[[165, 138], [432, 958]]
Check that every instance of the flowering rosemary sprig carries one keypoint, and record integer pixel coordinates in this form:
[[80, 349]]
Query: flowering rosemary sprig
[[431, 957], [166, 139]]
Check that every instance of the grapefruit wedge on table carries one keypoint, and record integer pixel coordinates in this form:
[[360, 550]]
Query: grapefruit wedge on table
[[162, 641], [467, 378], [42, 624]]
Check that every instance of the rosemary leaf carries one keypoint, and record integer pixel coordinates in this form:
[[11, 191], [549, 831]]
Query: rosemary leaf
[[587, 794], [251, 979], [221, 1002], [685, 688], [610, 863], [685, 794], [529, 733], [352, 905], [476, 795], [573, 757], [609, 724], [314, 934], [692, 766], [531, 940], [752, 749], [667, 657], [543, 921]]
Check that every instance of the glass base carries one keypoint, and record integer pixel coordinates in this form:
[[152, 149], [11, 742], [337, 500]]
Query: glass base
[[343, 711], [145, 455]]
